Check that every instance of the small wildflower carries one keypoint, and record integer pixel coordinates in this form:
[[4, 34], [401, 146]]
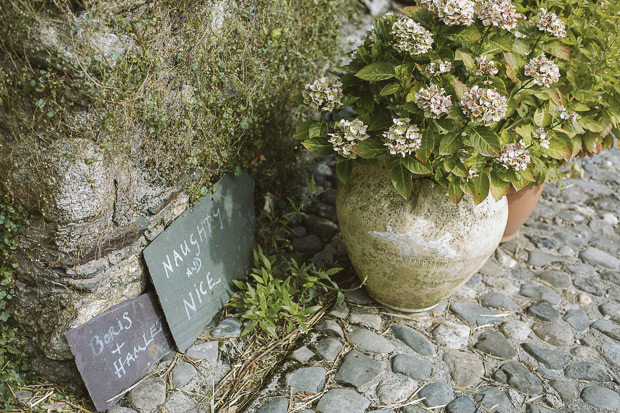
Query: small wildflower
[[485, 68], [436, 68], [452, 12], [347, 135], [433, 101], [411, 37], [403, 137], [325, 93], [500, 13], [549, 22], [543, 138], [544, 71], [515, 156], [484, 106]]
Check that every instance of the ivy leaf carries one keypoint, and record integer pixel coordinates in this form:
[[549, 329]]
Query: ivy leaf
[[480, 187], [370, 149], [499, 187], [450, 143], [416, 166], [558, 50], [485, 141], [455, 192], [390, 89], [344, 169], [428, 143], [402, 180], [318, 146], [376, 71]]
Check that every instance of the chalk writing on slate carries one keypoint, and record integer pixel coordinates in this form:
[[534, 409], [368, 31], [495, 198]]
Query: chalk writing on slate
[[193, 262], [115, 349]]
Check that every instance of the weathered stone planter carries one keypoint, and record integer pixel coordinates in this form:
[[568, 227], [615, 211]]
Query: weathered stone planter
[[414, 253]]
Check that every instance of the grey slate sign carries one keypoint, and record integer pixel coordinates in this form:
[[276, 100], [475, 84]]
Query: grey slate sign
[[115, 349], [193, 262]]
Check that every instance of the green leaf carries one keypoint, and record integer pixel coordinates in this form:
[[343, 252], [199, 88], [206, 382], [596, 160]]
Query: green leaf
[[376, 71], [465, 34], [512, 68], [525, 131], [298, 98], [466, 58], [560, 146], [428, 143], [558, 50], [317, 130], [402, 181], [521, 47], [450, 143], [390, 89], [319, 146], [485, 141], [591, 124], [303, 130], [455, 192], [344, 169], [498, 84], [499, 187], [542, 117], [419, 14], [416, 166], [460, 88], [480, 187], [370, 148]]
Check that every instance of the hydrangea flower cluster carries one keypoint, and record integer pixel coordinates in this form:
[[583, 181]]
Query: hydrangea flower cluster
[[348, 133], [501, 13], [565, 115], [543, 137], [452, 12], [436, 68], [544, 71], [549, 22], [411, 37], [403, 137], [324, 93], [485, 68], [484, 106], [515, 156], [433, 101]]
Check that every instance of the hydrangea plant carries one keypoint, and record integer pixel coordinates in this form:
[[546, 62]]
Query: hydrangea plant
[[463, 92]]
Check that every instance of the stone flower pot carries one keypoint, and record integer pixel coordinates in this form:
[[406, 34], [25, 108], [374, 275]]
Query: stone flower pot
[[521, 204], [414, 253]]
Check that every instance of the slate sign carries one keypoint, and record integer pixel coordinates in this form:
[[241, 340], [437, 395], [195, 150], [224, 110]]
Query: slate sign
[[115, 349], [193, 262]]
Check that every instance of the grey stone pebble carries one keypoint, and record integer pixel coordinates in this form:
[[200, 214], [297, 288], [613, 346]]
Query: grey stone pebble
[[566, 389], [532, 408], [590, 285], [582, 269], [182, 374], [366, 340], [204, 351], [539, 259], [543, 311], [608, 328], [595, 256], [320, 226], [558, 279], [606, 244], [366, 319], [308, 244], [551, 358], [303, 354], [414, 409], [307, 379], [611, 276], [495, 344], [493, 399], [381, 411], [395, 388], [557, 333], [611, 310], [578, 319], [411, 366], [542, 242], [298, 231], [549, 374], [516, 330], [116, 409], [149, 394], [230, 327], [474, 280], [340, 310], [601, 398], [359, 296], [342, 400], [357, 369], [519, 377], [332, 327], [277, 405], [611, 353], [414, 339], [500, 301], [436, 394], [329, 197], [474, 314], [586, 371], [567, 238], [462, 404], [452, 335], [465, 368], [329, 348], [169, 356], [540, 292], [571, 216]]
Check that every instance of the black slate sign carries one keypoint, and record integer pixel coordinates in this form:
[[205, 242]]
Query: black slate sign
[[115, 349], [193, 262]]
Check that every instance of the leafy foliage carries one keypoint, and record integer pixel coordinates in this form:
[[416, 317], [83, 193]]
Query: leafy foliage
[[13, 365], [286, 293], [466, 154]]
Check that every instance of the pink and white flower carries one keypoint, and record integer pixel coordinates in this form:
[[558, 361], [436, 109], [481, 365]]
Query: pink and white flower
[[433, 101], [543, 70], [411, 37], [403, 138], [347, 135], [549, 22], [452, 12], [500, 13], [325, 93], [515, 156], [485, 106], [485, 68]]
